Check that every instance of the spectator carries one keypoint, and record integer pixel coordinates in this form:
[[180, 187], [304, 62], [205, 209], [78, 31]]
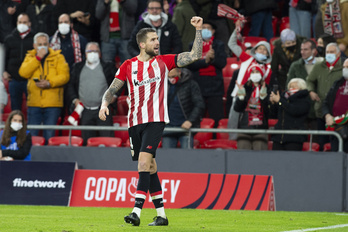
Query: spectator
[[114, 36], [260, 12], [207, 72], [323, 41], [82, 13], [320, 80], [291, 108], [343, 42], [300, 11], [8, 17], [185, 108], [88, 82], [335, 104], [17, 44], [45, 83], [252, 103], [41, 15], [170, 41], [15, 138], [287, 49]]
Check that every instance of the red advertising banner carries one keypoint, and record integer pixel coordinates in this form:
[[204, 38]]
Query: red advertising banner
[[180, 190]]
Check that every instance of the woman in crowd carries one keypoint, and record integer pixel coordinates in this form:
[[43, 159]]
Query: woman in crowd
[[15, 139], [292, 108]]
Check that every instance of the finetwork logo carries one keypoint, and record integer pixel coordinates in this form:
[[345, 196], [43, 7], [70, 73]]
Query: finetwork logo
[[18, 182]]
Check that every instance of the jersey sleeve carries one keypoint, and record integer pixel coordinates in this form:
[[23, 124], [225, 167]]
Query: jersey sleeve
[[122, 71], [170, 60]]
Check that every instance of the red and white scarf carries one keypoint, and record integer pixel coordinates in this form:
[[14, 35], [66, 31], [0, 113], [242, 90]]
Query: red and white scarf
[[210, 70], [332, 20], [114, 15], [254, 108], [55, 44]]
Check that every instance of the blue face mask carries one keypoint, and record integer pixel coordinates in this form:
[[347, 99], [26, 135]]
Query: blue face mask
[[206, 34], [260, 57], [330, 58]]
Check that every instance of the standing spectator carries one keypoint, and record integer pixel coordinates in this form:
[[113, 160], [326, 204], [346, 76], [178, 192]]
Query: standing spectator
[[291, 108], [287, 49], [207, 72], [8, 9], [114, 36], [185, 108], [300, 16], [88, 82], [17, 44], [82, 13], [320, 80], [260, 12], [252, 103], [15, 138], [45, 83], [335, 104], [170, 41], [41, 15]]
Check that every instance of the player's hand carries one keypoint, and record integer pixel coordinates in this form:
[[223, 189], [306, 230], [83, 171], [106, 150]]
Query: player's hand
[[197, 22], [103, 112]]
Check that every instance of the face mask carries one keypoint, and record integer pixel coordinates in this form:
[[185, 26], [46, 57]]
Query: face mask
[[308, 59], [260, 57], [154, 18], [292, 91], [22, 28], [64, 28], [16, 126], [255, 77], [206, 34], [330, 58], [173, 80], [320, 51], [291, 48], [345, 73], [329, 1], [92, 57], [45, 47]]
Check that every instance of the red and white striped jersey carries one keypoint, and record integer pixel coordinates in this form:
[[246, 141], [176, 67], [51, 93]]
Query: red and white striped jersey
[[147, 88]]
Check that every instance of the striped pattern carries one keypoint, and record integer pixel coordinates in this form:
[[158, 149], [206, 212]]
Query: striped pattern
[[140, 194], [156, 195]]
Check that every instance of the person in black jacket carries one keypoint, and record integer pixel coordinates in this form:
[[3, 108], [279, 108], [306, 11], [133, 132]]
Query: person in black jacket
[[88, 81], [292, 108], [185, 107], [335, 104], [168, 34], [41, 15], [16, 45]]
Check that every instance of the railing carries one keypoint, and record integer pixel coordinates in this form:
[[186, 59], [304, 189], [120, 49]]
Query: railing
[[194, 130]]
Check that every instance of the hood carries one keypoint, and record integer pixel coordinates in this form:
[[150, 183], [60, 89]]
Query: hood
[[185, 75], [147, 20], [268, 47]]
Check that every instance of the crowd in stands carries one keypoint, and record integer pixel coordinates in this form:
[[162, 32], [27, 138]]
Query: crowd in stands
[[57, 58]]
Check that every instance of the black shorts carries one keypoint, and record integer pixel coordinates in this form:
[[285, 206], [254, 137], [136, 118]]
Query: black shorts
[[145, 138]]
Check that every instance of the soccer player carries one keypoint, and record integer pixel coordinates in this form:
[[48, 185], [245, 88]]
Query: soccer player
[[147, 78]]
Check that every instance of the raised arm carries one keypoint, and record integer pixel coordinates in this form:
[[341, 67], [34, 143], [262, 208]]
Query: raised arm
[[186, 58], [115, 86]]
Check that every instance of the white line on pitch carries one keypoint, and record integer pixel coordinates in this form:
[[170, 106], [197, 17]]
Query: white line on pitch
[[342, 214], [319, 228]]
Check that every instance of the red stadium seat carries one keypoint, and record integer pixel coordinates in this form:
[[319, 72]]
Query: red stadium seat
[[315, 146], [270, 145], [121, 121], [64, 141], [285, 23], [271, 123], [220, 143], [327, 147], [204, 136], [37, 140], [275, 22], [232, 64], [104, 142], [122, 105], [222, 125]]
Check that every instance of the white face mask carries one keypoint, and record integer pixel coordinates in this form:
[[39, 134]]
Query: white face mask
[[44, 47], [345, 73], [255, 77], [22, 28], [154, 18], [16, 126], [64, 28], [92, 57]]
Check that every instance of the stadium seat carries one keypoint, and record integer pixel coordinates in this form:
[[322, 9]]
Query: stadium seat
[[222, 125], [37, 140], [284, 23], [220, 143], [121, 121], [275, 26], [204, 136], [7, 108], [122, 105], [272, 123], [270, 145], [104, 142], [327, 147], [64, 141], [232, 64], [315, 146]]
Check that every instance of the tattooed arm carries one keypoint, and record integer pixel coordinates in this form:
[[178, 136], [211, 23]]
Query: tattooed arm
[[186, 58], [115, 86]]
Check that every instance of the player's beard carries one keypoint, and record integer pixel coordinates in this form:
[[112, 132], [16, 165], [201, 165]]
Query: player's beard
[[150, 52]]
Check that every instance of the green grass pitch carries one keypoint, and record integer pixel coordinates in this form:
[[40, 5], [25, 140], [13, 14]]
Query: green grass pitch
[[15, 218]]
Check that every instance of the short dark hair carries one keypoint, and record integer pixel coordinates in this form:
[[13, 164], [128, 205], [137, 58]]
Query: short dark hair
[[159, 1], [327, 39], [142, 34], [313, 45], [211, 23]]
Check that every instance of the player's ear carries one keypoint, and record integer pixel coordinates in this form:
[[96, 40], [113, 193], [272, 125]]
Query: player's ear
[[142, 45]]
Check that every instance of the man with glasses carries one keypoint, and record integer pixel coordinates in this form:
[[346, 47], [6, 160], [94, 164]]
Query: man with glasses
[[169, 37], [88, 81]]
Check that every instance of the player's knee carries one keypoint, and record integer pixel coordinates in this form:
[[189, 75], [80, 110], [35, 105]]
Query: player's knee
[[143, 166]]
